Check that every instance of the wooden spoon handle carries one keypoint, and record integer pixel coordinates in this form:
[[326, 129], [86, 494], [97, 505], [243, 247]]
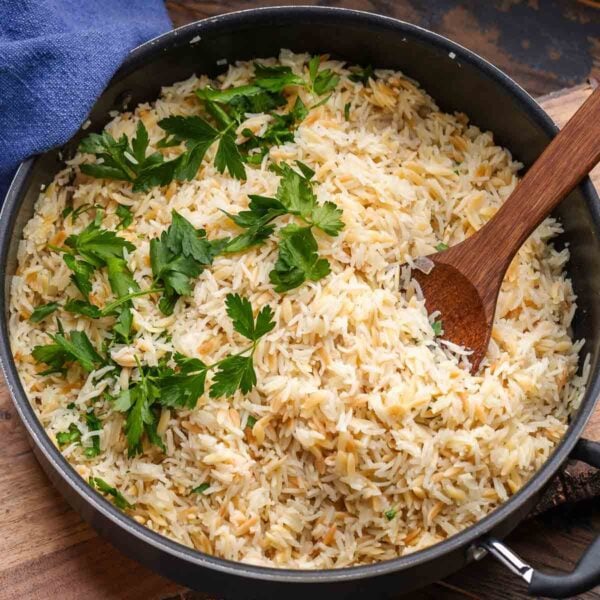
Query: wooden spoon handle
[[569, 157]]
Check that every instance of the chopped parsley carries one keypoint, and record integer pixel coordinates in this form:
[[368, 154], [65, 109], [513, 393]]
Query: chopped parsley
[[71, 436], [437, 327], [347, 111], [125, 216], [362, 75], [43, 311], [298, 259], [390, 514], [109, 490], [250, 422], [126, 160], [322, 81], [441, 247], [74, 347], [200, 489], [94, 424], [92, 249]]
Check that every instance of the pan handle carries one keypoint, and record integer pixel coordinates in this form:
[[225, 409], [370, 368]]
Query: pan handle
[[586, 574]]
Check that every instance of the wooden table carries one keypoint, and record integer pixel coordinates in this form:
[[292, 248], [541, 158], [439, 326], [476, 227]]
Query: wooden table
[[47, 551]]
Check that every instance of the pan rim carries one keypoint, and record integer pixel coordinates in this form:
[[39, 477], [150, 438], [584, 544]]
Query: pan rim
[[145, 53]]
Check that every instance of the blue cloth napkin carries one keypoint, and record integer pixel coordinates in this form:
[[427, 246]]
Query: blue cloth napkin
[[56, 57]]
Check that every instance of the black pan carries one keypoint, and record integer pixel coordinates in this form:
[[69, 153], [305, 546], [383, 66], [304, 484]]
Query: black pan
[[458, 80]]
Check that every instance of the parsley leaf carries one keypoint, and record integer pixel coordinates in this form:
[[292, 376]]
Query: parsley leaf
[[178, 256], [198, 135], [347, 111], [94, 424], [274, 79], [82, 273], [141, 396], [200, 489], [82, 307], [239, 311], [124, 213], [321, 81], [437, 327], [76, 347], [183, 389], [71, 436], [390, 513], [109, 490], [121, 159], [298, 259], [327, 217], [294, 196], [262, 210], [228, 157], [234, 372], [42, 311], [441, 247], [96, 245], [362, 75]]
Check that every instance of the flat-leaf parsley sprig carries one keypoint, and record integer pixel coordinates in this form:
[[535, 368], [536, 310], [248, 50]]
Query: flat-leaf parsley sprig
[[180, 387], [129, 160], [298, 259], [180, 254], [95, 248]]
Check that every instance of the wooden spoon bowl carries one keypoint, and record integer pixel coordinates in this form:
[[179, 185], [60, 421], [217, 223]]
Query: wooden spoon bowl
[[465, 280]]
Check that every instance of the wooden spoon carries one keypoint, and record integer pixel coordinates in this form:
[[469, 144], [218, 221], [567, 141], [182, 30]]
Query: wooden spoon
[[465, 280]]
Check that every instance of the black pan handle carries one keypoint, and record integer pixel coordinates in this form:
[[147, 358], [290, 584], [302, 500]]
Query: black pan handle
[[586, 574]]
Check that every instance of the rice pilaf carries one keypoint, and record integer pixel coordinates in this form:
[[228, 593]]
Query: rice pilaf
[[369, 437]]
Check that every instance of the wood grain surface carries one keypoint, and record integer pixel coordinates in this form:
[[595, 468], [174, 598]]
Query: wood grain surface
[[47, 551]]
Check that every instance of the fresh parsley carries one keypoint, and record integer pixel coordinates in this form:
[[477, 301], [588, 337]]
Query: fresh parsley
[[362, 75], [250, 422], [200, 489], [347, 111], [83, 307], [180, 386], [71, 436], [180, 254], [390, 513], [441, 247], [322, 81], [125, 216], [97, 247], [94, 424], [298, 259], [437, 327], [74, 347], [42, 311], [126, 160], [109, 490], [199, 136]]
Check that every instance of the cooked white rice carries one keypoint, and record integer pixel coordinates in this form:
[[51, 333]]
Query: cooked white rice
[[359, 408]]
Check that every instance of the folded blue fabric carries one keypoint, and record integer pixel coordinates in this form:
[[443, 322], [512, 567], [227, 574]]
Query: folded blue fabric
[[56, 57]]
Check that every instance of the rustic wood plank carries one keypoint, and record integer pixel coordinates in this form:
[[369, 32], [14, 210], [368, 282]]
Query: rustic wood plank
[[48, 551]]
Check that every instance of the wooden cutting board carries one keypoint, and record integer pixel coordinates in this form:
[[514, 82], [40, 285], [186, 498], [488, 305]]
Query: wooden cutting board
[[47, 551]]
